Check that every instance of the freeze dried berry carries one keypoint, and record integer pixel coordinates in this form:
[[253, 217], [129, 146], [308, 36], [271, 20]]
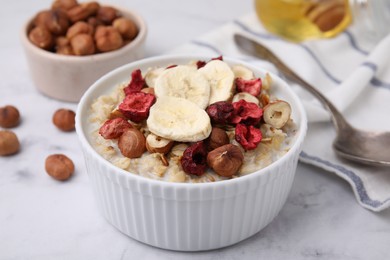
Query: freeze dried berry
[[200, 64], [218, 58], [136, 106], [114, 128], [220, 112], [171, 66], [251, 86], [246, 113], [194, 159], [248, 136], [137, 82]]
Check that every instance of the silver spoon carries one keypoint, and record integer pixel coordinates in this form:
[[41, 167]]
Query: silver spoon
[[371, 148]]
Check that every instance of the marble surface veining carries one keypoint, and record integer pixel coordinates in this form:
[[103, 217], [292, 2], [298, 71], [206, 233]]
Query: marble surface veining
[[41, 218]]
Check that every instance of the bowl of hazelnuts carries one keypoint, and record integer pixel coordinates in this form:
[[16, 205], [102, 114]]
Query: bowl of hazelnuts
[[71, 44]]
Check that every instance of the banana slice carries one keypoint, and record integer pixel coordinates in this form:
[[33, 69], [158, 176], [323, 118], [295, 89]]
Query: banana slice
[[243, 72], [178, 119], [185, 82], [152, 75], [221, 79]]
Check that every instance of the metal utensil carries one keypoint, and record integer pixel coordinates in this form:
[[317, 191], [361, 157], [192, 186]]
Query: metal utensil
[[366, 147]]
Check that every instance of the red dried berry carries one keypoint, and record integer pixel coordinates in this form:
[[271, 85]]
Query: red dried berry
[[251, 86], [194, 159], [248, 136], [136, 106], [114, 128], [220, 112], [171, 66], [218, 58], [200, 64], [246, 113], [137, 82]]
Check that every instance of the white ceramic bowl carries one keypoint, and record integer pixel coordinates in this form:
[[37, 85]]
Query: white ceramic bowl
[[188, 216], [66, 77]]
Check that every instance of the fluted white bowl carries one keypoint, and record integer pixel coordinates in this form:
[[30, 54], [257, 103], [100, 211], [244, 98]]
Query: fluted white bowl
[[188, 216]]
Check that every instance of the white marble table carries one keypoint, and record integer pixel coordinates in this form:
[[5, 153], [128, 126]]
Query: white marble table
[[44, 219]]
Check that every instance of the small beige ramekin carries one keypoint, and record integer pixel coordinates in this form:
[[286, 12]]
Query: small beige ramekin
[[188, 216], [67, 77]]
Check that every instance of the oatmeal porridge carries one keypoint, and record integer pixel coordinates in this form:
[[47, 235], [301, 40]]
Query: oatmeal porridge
[[204, 121]]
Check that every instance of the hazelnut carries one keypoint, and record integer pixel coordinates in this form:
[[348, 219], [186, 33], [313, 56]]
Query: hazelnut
[[132, 143], [107, 38], [148, 90], [82, 44], [245, 96], [59, 166], [79, 28], [94, 22], [157, 144], [126, 27], [41, 37], [9, 116], [277, 113], [64, 4], [226, 160], [9, 143], [56, 21], [115, 114], [82, 11], [64, 119], [217, 138], [65, 50], [62, 41], [107, 14]]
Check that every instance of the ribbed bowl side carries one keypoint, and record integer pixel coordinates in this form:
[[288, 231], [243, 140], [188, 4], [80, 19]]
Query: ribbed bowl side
[[201, 217]]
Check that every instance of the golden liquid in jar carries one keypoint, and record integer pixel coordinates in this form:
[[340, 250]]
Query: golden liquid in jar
[[299, 20]]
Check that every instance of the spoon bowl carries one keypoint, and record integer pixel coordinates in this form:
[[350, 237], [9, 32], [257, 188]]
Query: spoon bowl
[[372, 148]]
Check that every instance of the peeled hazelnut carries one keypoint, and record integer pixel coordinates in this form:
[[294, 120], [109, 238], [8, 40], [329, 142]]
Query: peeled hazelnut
[[226, 160], [64, 4], [245, 96], [64, 119], [107, 38], [217, 138], [132, 143], [83, 11], [9, 116], [56, 21], [107, 14], [157, 144], [277, 113], [79, 28], [59, 166], [82, 44], [9, 143], [148, 90], [41, 37], [126, 27]]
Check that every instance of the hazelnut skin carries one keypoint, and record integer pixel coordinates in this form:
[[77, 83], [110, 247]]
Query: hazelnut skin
[[9, 143], [79, 28], [127, 28], [9, 116], [226, 160], [41, 37], [59, 166], [107, 38], [82, 44], [217, 138], [107, 14], [64, 119], [132, 143]]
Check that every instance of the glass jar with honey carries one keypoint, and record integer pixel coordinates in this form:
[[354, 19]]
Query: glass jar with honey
[[298, 20]]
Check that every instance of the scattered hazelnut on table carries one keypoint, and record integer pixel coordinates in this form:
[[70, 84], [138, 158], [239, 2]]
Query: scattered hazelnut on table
[[64, 119], [9, 116], [107, 38], [132, 143], [226, 160], [9, 143], [59, 166]]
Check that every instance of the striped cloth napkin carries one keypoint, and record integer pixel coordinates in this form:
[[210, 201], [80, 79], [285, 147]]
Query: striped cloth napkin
[[349, 69]]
